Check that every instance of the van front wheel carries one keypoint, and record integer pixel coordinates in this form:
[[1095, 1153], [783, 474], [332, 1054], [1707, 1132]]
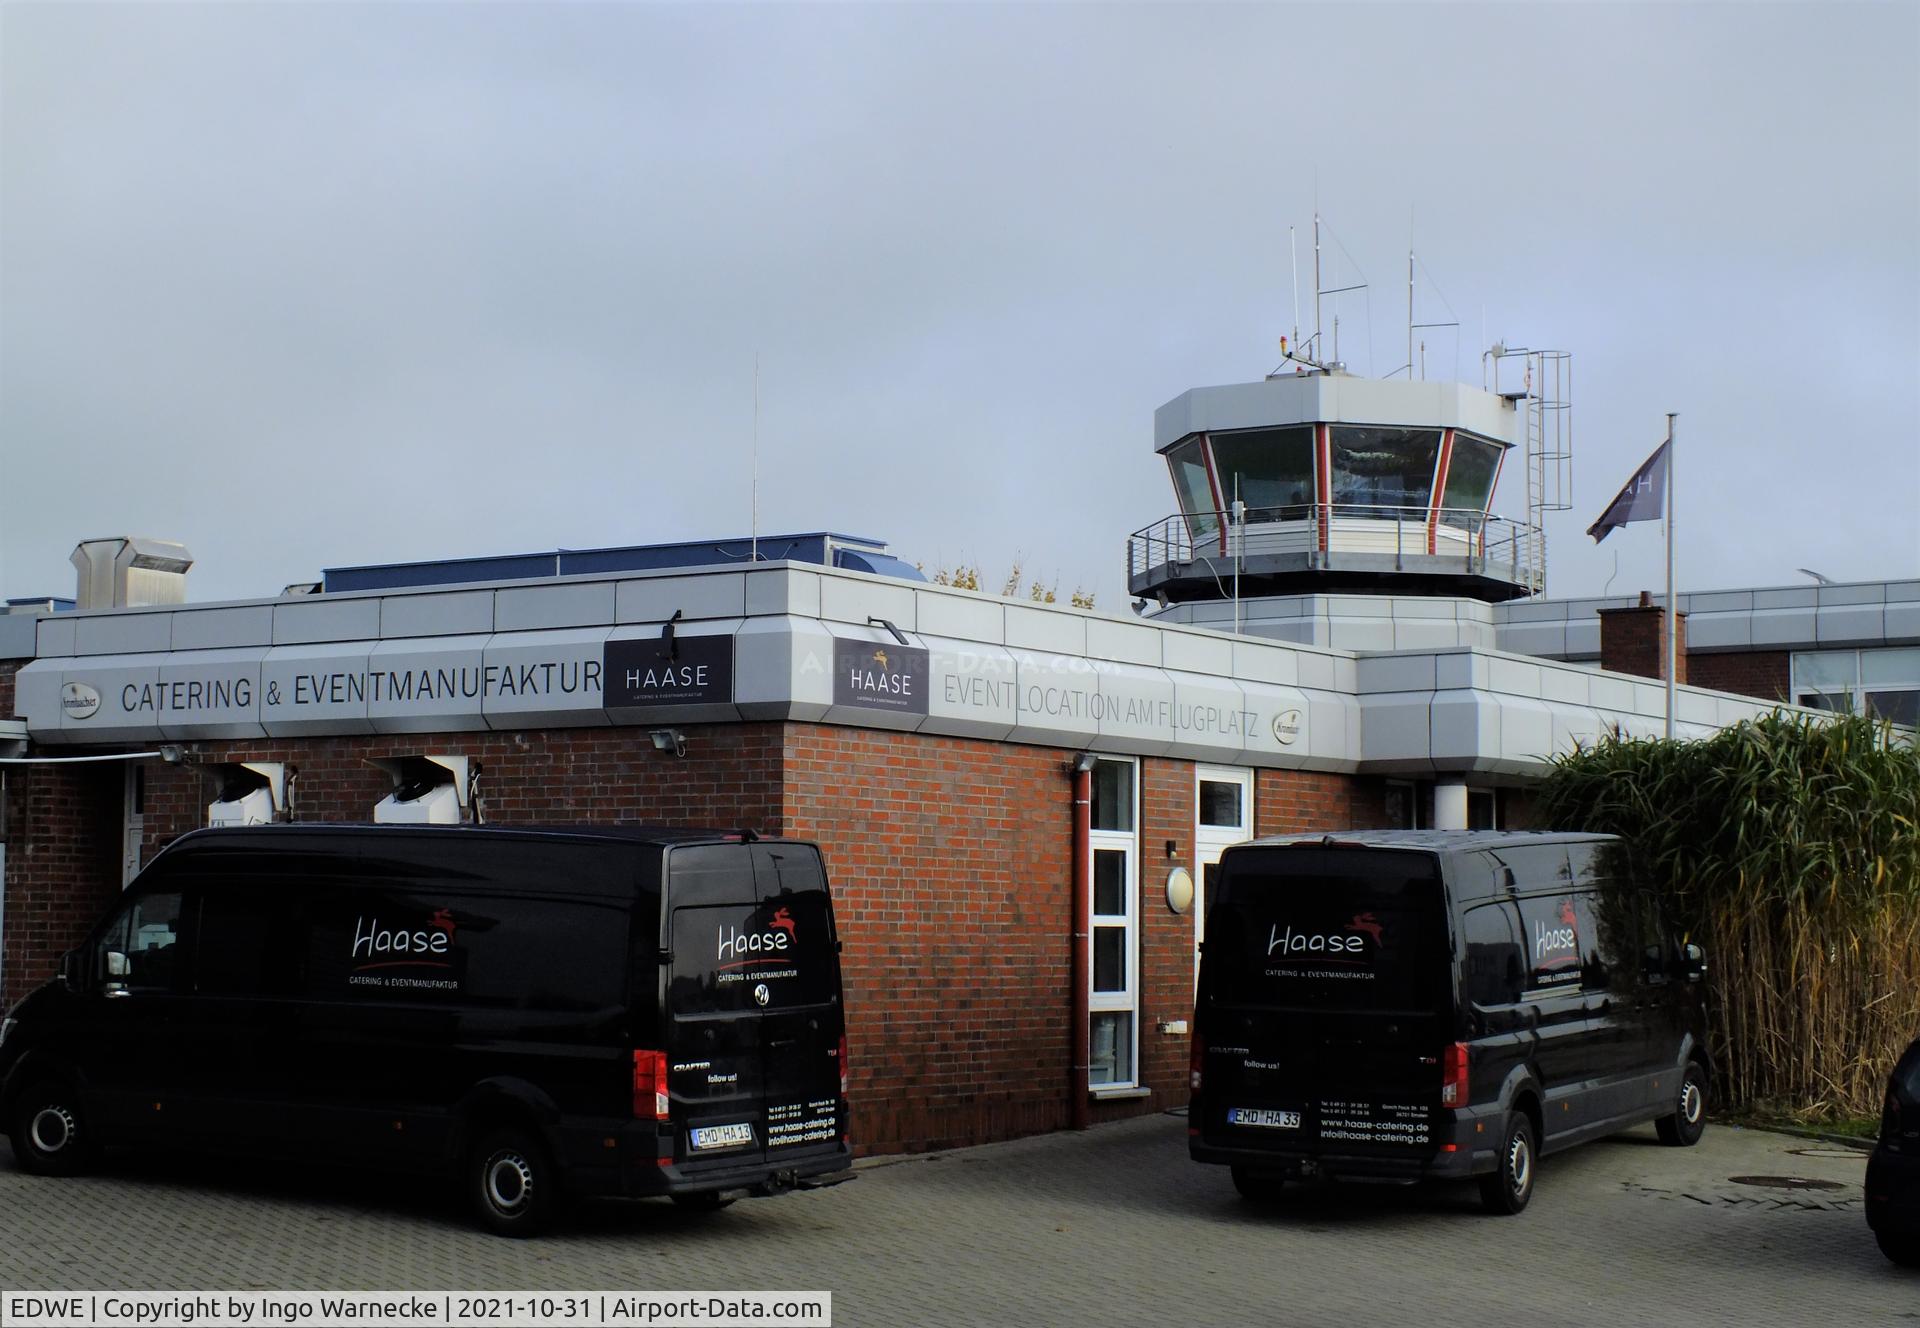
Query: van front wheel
[[1689, 1119], [1508, 1189], [49, 1133], [512, 1183]]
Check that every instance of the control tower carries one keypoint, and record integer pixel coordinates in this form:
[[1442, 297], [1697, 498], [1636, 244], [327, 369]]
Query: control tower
[[1317, 481]]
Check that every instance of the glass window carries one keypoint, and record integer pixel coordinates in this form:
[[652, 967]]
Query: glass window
[[1826, 670], [249, 942], [1469, 477], [1111, 1049], [1386, 468], [146, 932], [1550, 928], [1274, 469], [1494, 970], [1898, 707], [1113, 795], [1110, 958], [1109, 881], [1190, 485], [1900, 667], [1483, 810], [1222, 804]]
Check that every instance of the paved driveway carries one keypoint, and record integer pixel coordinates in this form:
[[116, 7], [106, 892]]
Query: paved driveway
[[1111, 1227]]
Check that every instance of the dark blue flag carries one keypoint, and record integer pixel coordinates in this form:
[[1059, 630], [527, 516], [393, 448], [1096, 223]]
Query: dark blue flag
[[1644, 498]]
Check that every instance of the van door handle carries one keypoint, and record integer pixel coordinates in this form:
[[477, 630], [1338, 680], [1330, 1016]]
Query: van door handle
[[782, 1042]]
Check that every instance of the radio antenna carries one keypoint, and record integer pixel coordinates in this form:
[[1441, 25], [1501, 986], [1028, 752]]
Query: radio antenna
[[753, 491]]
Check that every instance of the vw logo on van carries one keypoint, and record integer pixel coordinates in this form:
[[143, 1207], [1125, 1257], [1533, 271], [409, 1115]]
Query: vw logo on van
[[79, 701], [760, 993]]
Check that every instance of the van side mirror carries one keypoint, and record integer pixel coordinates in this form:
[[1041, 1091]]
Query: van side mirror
[[116, 964], [1696, 962], [69, 973], [1656, 965]]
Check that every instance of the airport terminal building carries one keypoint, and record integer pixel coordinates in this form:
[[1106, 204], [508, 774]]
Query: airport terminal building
[[1385, 662]]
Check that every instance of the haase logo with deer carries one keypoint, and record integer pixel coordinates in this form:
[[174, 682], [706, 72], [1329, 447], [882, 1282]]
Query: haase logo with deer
[[1356, 943], [775, 944], [1556, 946]]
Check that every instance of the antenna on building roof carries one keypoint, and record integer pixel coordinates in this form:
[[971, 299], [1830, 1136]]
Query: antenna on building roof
[[753, 490]]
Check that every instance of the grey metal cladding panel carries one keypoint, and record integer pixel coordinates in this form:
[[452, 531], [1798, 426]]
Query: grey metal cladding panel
[[1196, 652], [1434, 634], [123, 633], [1318, 671], [212, 629], [1396, 673], [657, 598], [1856, 624], [1055, 699], [1783, 627], [1872, 593], [1717, 601], [1719, 631], [212, 694], [36, 699], [1902, 591], [1213, 718], [1460, 668], [456, 613], [427, 685], [1397, 727], [1126, 642], [1046, 630], [1407, 606], [1792, 597], [782, 669], [972, 690], [316, 688], [536, 678], [1521, 611], [782, 590], [18, 633], [54, 636], [1466, 727], [317, 618], [128, 687], [547, 607], [1903, 622], [1135, 710], [1360, 634], [1547, 639], [1583, 639], [960, 615], [853, 598], [1514, 677], [1565, 686], [1264, 663]]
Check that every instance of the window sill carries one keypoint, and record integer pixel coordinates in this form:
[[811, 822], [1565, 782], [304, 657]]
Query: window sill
[[1117, 1093]]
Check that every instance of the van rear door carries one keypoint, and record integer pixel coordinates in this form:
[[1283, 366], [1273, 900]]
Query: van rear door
[[802, 1023], [1326, 1001], [753, 1001]]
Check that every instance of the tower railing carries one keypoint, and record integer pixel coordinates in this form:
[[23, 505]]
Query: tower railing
[[1466, 540]]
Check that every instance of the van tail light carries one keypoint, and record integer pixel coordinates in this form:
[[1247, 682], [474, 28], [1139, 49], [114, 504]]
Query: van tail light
[[650, 1100], [1453, 1076], [1196, 1061], [843, 1065]]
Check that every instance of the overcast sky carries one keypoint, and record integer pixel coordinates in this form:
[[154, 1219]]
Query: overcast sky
[[314, 285]]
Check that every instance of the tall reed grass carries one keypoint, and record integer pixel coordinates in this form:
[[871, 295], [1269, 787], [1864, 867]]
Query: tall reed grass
[[1790, 849]]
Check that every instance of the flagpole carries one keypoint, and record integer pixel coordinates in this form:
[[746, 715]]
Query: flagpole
[[1673, 617]]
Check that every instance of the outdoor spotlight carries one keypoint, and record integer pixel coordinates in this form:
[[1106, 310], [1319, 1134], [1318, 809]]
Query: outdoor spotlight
[[669, 740], [1082, 763], [172, 753]]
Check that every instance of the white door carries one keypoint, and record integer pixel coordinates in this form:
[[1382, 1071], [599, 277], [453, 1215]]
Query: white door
[[134, 825]]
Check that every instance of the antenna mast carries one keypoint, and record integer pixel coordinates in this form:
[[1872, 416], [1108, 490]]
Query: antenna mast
[[1293, 259], [1318, 349], [754, 489]]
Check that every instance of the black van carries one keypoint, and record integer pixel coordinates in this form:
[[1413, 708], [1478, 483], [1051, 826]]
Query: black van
[[1893, 1172], [539, 1012], [1400, 1005]]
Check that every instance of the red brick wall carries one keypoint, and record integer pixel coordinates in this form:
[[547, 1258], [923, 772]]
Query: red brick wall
[[1767, 674], [7, 669], [63, 865]]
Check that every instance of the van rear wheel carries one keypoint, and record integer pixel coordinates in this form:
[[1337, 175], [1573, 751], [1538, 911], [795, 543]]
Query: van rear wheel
[[1689, 1119], [49, 1131], [1508, 1189], [1902, 1248], [512, 1183], [1257, 1187]]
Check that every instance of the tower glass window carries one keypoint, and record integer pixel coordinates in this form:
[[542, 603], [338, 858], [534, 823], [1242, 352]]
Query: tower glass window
[[1384, 468], [1189, 467], [1469, 477], [1273, 469]]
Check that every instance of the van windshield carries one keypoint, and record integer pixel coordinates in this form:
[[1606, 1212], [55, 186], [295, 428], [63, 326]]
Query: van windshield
[[1328, 929]]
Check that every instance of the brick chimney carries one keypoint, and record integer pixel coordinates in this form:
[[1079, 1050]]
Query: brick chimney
[[1634, 640]]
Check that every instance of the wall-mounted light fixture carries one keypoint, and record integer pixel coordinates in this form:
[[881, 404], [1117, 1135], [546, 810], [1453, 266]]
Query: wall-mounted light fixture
[[669, 740]]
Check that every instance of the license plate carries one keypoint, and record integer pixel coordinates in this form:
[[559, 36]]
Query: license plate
[[1276, 1120], [721, 1136]]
